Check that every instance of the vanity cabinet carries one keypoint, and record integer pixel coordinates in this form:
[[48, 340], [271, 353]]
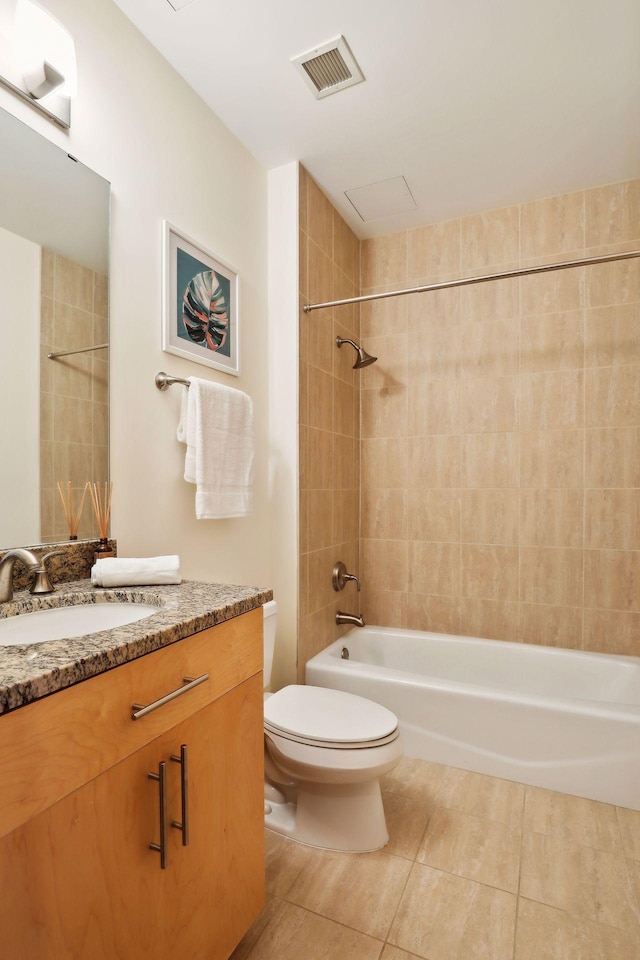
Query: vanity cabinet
[[80, 880]]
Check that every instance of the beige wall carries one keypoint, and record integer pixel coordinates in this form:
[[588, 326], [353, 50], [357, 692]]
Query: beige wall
[[501, 428], [130, 122], [74, 413], [328, 419]]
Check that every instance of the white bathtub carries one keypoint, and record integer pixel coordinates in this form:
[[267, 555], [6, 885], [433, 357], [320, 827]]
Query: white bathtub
[[554, 718]]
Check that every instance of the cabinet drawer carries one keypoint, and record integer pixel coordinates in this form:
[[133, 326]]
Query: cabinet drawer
[[51, 747]]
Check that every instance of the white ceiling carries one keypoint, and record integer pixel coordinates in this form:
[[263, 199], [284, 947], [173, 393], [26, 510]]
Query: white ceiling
[[477, 103]]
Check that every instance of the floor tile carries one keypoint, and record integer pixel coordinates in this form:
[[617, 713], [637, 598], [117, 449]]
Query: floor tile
[[470, 847], [296, 934], [629, 821], [359, 890], [487, 797], [407, 821], [285, 859], [586, 882], [587, 822], [545, 933], [271, 909], [417, 779], [441, 917], [394, 953]]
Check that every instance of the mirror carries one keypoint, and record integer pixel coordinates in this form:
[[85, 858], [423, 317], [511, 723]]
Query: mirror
[[54, 257]]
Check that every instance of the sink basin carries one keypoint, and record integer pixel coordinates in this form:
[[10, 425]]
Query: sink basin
[[61, 623]]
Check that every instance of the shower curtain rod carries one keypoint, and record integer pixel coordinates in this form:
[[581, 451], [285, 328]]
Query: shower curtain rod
[[467, 281]]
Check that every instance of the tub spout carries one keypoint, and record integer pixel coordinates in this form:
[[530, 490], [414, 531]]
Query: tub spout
[[355, 620]]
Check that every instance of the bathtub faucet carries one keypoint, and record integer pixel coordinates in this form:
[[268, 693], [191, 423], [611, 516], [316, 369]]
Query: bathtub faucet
[[355, 620]]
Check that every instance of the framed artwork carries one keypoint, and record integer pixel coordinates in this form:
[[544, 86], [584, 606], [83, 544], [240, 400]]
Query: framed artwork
[[200, 304]]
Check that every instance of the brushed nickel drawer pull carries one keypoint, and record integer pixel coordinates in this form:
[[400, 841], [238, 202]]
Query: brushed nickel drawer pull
[[189, 683], [161, 777], [184, 785]]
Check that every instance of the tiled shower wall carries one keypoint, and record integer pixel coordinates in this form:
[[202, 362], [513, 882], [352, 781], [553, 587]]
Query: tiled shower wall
[[73, 390], [501, 427], [328, 420]]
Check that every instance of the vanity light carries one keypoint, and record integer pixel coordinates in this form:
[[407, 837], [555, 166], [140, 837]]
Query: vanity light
[[38, 60]]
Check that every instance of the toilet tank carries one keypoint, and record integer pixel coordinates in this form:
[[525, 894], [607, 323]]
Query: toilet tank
[[269, 613]]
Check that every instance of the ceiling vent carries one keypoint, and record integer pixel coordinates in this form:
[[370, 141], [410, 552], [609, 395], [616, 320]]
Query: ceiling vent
[[329, 68]]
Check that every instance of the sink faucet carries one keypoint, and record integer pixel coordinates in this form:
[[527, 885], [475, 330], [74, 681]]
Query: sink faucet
[[41, 582], [356, 620]]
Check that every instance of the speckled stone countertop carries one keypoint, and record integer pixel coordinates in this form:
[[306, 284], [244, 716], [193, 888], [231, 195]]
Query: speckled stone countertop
[[28, 672]]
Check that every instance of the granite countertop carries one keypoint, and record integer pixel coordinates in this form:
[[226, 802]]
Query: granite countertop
[[28, 672]]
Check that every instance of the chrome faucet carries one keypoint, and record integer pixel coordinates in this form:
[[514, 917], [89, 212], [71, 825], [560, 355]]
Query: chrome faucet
[[355, 620], [41, 582]]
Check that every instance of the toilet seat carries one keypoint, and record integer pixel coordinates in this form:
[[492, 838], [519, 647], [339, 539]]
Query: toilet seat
[[331, 719]]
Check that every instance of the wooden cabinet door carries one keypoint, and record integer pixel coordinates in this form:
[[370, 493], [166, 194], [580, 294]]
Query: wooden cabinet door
[[80, 881]]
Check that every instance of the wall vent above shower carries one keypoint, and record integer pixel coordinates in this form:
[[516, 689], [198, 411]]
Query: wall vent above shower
[[328, 68]]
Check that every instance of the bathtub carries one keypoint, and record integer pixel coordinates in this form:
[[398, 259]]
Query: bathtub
[[550, 717]]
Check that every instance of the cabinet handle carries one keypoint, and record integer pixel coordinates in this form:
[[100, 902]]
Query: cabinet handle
[[161, 778], [189, 683], [184, 783]]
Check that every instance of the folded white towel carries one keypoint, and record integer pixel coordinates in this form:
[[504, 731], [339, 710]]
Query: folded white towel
[[131, 572], [216, 423]]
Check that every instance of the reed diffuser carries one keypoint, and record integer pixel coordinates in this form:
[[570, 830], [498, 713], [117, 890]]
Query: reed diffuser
[[72, 516], [102, 509]]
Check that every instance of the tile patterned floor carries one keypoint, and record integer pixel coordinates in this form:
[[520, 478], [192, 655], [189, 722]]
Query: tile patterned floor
[[476, 868]]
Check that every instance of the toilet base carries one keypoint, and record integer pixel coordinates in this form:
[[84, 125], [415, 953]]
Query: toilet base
[[333, 816]]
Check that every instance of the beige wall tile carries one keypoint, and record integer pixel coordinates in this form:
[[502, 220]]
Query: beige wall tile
[[432, 462], [73, 419], [384, 463], [490, 460], [470, 847], [586, 882], [551, 518], [612, 213], [551, 575], [345, 516], [384, 514], [552, 225], [611, 631], [434, 251], [320, 386], [320, 519], [489, 302], [629, 825], [384, 261], [374, 883], [551, 626], [435, 614], [384, 564], [433, 348], [489, 572], [321, 345], [612, 457], [380, 318], [557, 292], [552, 401], [611, 283], [431, 408], [344, 466], [320, 591], [612, 580], [490, 619], [554, 341], [385, 607], [434, 568], [545, 933], [433, 515], [390, 370], [489, 516], [552, 458], [320, 277], [384, 412], [612, 519], [490, 238], [612, 335], [320, 459], [443, 916], [489, 406], [612, 397], [101, 297], [489, 350], [47, 270], [319, 223], [575, 819], [345, 248], [73, 285]]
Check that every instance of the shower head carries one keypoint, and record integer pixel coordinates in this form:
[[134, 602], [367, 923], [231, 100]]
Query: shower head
[[364, 358]]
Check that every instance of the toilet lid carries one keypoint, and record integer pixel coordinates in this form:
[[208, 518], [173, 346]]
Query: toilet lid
[[318, 714]]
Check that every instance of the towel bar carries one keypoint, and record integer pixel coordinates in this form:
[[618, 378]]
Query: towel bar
[[163, 380]]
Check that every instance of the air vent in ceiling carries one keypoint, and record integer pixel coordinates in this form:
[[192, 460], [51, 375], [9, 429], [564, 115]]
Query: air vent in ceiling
[[329, 68]]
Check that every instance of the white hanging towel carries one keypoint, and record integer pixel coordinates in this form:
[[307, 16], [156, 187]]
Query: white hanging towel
[[216, 423]]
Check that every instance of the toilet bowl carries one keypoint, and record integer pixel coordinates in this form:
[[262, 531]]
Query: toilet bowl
[[325, 751]]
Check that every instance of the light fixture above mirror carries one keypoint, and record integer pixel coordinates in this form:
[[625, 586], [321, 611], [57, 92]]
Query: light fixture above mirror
[[38, 59]]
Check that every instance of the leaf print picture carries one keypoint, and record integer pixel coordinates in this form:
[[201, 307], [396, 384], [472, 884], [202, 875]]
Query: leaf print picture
[[200, 304]]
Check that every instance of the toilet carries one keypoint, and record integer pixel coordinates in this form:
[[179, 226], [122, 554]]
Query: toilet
[[325, 751]]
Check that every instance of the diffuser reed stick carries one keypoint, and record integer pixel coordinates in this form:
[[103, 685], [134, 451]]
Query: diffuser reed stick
[[72, 516], [101, 506]]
